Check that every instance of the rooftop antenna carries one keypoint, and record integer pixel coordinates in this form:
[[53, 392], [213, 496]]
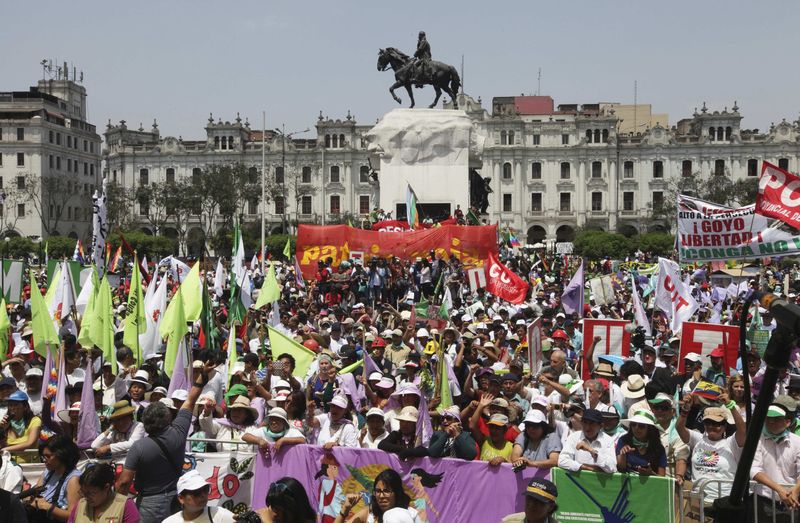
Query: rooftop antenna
[[539, 83], [635, 102]]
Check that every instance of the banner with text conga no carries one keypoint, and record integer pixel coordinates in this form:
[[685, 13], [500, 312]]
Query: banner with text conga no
[[470, 244]]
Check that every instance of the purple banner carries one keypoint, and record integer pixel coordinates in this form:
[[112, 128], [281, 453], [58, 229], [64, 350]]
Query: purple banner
[[442, 490]]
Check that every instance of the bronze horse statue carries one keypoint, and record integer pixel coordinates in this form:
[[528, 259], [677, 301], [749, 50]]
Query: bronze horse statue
[[442, 77]]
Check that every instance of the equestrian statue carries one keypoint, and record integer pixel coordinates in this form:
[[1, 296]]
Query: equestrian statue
[[420, 70]]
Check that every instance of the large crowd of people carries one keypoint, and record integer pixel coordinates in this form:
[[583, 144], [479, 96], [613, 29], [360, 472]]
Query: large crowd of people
[[575, 409]]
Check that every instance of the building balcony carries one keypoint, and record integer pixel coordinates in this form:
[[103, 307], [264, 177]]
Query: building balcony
[[563, 212]]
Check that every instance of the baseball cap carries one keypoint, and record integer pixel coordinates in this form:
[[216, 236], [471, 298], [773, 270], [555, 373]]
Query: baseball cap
[[375, 411], [500, 420], [592, 415], [191, 480], [715, 414], [339, 401], [542, 490], [777, 411], [693, 357], [719, 352]]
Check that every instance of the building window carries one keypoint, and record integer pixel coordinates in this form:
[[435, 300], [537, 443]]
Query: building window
[[58, 163], [658, 200], [627, 201], [20, 183], [58, 138], [507, 172], [597, 170], [305, 205], [503, 138], [170, 175], [564, 139], [327, 141], [196, 174], [536, 202], [279, 207], [144, 208], [144, 177], [216, 142], [341, 140], [536, 171], [279, 175], [20, 134], [85, 146], [719, 167], [20, 210], [363, 174], [69, 165], [537, 139], [728, 134], [85, 168], [510, 137], [752, 167], [783, 163], [20, 159], [605, 135], [335, 208], [565, 202], [506, 202], [305, 175], [252, 206], [627, 169], [565, 170], [686, 168], [69, 141], [334, 174], [51, 161], [91, 169], [597, 201], [363, 204], [51, 136], [588, 136], [658, 169]]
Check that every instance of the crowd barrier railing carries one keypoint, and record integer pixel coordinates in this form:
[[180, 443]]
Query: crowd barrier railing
[[713, 488]]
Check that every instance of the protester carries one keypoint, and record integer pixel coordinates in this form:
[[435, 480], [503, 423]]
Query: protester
[[193, 493], [333, 428], [387, 494], [453, 441], [20, 425], [640, 450], [276, 434], [239, 419], [541, 498], [287, 502], [124, 431], [590, 448], [61, 485], [98, 500], [538, 445]]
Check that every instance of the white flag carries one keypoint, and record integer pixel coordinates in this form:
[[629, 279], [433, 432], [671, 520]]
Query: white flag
[[254, 263], [672, 296], [245, 296], [144, 266], [64, 296], [99, 228], [86, 291], [155, 304], [219, 279], [177, 268], [638, 310]]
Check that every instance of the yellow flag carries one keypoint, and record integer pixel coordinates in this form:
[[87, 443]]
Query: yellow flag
[[103, 325], [135, 321], [270, 290], [175, 329], [5, 325], [44, 331]]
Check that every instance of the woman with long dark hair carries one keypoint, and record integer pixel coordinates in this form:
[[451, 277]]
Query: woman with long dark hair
[[21, 426], [287, 502], [61, 486], [387, 493], [640, 449]]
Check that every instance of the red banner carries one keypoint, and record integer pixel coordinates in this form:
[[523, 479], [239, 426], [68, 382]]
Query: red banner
[[779, 195], [702, 338], [615, 339], [502, 282], [470, 244]]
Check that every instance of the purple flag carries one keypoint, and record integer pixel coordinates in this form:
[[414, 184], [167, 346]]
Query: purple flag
[[180, 378], [349, 387], [572, 299], [88, 422], [61, 400], [441, 490]]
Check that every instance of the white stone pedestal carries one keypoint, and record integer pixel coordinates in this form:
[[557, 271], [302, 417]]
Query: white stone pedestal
[[427, 148]]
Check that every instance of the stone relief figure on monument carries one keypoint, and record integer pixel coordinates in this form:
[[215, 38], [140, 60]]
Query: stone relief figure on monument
[[419, 70]]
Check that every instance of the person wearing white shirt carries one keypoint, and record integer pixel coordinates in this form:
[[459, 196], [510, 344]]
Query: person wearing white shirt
[[333, 429], [193, 493], [10, 474], [589, 449], [33, 388], [375, 430], [123, 433]]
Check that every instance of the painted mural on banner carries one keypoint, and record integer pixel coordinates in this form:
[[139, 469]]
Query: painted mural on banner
[[711, 232], [470, 244], [629, 498], [230, 474], [441, 490], [615, 339], [703, 338]]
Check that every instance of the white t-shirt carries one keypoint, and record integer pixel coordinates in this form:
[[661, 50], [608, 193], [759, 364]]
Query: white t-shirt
[[218, 515], [369, 443], [345, 435], [714, 460]]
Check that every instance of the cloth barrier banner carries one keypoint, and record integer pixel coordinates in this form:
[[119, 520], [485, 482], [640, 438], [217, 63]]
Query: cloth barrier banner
[[230, 474], [709, 232], [615, 340], [703, 338], [590, 496], [470, 244], [441, 490]]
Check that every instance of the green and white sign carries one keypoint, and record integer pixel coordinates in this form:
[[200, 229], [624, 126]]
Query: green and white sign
[[11, 280]]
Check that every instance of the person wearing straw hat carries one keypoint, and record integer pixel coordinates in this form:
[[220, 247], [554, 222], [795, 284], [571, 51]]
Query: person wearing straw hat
[[640, 450], [239, 417], [775, 465], [278, 432], [404, 441], [495, 448], [122, 434]]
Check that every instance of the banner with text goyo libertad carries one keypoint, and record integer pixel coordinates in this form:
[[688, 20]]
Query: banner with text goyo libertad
[[441, 490], [470, 244], [589, 496]]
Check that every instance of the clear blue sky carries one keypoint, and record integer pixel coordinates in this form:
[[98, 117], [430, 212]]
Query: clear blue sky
[[178, 60]]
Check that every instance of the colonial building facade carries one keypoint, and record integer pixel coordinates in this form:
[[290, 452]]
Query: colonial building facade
[[552, 169], [49, 160]]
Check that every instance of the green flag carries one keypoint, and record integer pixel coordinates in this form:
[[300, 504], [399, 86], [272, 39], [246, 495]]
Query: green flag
[[472, 218], [270, 290], [5, 325], [103, 325], [422, 308], [174, 329], [287, 251], [207, 325], [44, 331], [281, 344], [232, 357], [135, 321], [445, 395], [85, 335], [447, 305]]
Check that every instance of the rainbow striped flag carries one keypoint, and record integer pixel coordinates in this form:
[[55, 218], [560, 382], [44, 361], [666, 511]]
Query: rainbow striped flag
[[112, 267]]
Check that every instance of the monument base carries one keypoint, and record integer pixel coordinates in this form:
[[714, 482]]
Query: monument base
[[428, 149]]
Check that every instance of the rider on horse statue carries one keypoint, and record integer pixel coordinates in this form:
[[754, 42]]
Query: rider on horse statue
[[423, 55]]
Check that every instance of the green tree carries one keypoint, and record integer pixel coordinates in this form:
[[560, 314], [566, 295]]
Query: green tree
[[658, 243], [60, 247], [119, 206], [154, 247], [596, 244]]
